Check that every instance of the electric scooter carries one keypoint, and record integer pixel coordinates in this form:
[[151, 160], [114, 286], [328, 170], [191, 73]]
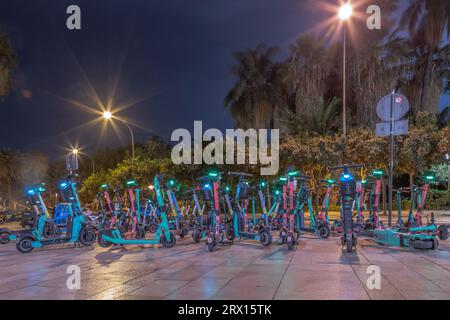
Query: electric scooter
[[216, 232], [41, 219], [418, 196], [77, 229], [176, 219], [319, 227], [201, 226], [163, 236], [238, 210], [374, 222], [347, 191], [289, 233]]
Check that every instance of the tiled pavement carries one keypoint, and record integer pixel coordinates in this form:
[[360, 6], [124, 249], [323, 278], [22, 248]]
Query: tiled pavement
[[317, 269]]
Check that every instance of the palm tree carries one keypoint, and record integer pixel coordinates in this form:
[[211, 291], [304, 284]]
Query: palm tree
[[253, 97], [321, 120], [307, 71], [34, 167], [10, 163], [427, 21], [7, 63]]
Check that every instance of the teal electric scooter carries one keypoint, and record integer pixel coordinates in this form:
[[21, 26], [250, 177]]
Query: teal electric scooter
[[77, 231], [163, 236], [241, 226], [43, 223]]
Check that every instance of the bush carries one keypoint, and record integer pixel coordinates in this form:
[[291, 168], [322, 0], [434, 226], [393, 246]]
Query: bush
[[438, 200]]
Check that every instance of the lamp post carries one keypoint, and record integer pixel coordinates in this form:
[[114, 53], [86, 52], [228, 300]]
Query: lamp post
[[447, 158], [107, 115], [75, 151], [345, 12]]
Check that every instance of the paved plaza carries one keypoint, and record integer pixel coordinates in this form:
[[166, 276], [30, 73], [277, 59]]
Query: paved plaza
[[317, 269]]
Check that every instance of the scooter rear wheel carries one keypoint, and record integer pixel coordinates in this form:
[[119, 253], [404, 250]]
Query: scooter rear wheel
[[102, 242], [422, 244], [24, 245], [140, 233], [153, 227], [443, 232], [435, 243]]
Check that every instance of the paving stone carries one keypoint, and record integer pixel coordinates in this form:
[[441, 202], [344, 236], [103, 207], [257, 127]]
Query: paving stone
[[316, 269]]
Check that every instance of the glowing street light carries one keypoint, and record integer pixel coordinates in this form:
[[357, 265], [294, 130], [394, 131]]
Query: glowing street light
[[76, 152], [344, 13], [107, 115]]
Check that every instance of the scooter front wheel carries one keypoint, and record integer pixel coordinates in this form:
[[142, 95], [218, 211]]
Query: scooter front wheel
[[196, 236], [349, 246], [290, 242], [24, 245], [265, 238], [211, 244], [211, 247], [230, 233], [168, 243], [324, 232], [4, 238], [87, 236]]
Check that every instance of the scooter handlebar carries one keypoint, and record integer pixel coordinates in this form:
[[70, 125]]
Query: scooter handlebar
[[346, 166], [235, 173]]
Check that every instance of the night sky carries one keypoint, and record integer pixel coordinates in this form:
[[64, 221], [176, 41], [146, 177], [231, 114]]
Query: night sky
[[173, 56]]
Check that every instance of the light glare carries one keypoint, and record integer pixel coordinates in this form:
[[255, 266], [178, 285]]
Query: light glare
[[345, 11]]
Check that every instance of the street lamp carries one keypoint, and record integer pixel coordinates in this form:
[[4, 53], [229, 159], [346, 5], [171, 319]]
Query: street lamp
[[344, 13], [75, 152], [107, 115]]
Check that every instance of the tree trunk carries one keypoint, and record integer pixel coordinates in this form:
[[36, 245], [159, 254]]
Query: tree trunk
[[411, 182], [426, 93], [10, 196]]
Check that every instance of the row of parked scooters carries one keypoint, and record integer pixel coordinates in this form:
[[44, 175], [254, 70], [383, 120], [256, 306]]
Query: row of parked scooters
[[214, 212]]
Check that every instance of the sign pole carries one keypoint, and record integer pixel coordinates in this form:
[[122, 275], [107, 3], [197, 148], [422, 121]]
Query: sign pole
[[391, 109], [391, 157]]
